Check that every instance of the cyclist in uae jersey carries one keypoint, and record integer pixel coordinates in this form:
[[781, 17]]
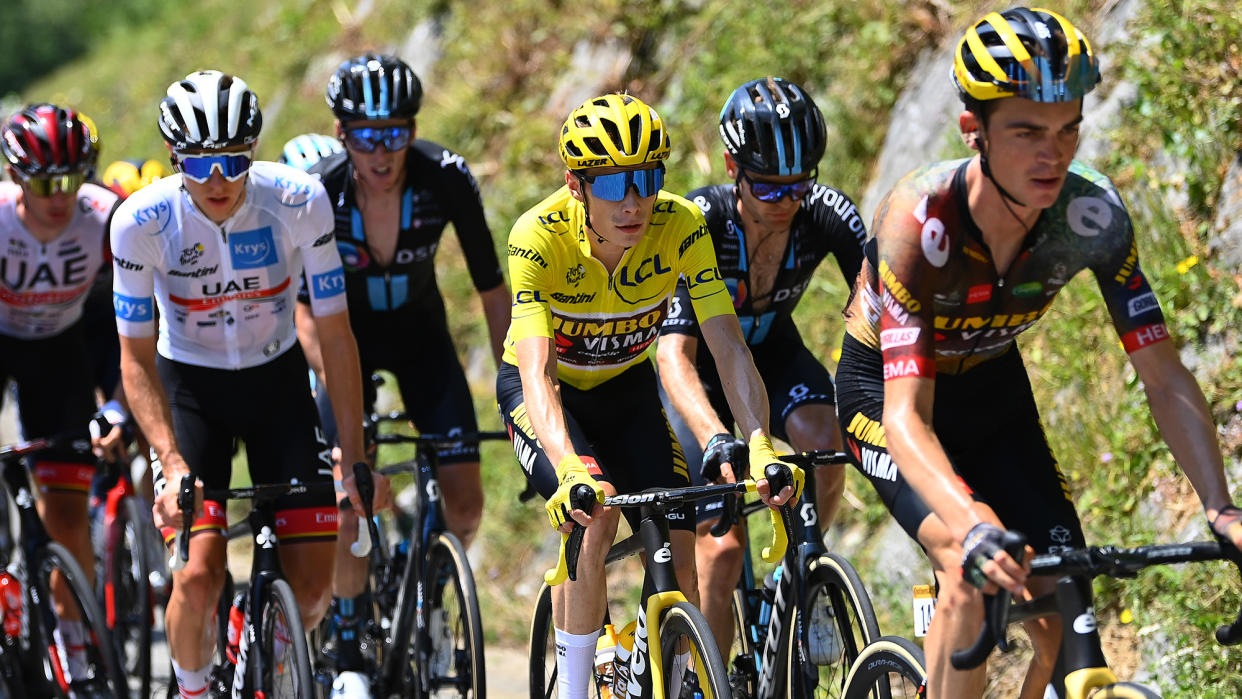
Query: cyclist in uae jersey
[[53, 246], [770, 228], [217, 250], [593, 267], [934, 402]]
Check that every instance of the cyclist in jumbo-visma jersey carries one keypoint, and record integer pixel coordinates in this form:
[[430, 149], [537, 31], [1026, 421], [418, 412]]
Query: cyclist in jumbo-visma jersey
[[934, 401], [593, 267]]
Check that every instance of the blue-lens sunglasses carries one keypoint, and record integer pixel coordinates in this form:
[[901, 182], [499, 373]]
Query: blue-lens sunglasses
[[772, 192], [232, 166], [613, 187], [366, 139]]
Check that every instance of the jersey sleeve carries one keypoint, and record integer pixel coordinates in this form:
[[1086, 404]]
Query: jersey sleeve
[[136, 252], [705, 288], [532, 282], [470, 223], [1131, 303], [312, 234], [681, 319], [906, 271], [845, 233]]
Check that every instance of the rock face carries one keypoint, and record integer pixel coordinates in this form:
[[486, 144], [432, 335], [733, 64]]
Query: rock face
[[1226, 241]]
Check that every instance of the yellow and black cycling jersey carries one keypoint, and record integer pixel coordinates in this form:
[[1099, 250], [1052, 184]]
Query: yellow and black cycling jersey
[[603, 323]]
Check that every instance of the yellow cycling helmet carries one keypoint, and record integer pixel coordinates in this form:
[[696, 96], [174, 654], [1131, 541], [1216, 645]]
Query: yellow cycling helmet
[[613, 130], [128, 176], [1031, 53]]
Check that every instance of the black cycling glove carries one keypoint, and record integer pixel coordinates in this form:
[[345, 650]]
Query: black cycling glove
[[721, 449], [982, 542]]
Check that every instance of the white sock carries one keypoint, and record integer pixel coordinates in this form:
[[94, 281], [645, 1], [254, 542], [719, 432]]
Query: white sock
[[192, 683], [575, 663], [681, 662], [70, 637]]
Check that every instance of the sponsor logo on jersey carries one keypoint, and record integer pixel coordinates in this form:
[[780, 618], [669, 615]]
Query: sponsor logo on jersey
[[898, 337], [553, 217], [191, 254], [1028, 290], [353, 257], [573, 298], [527, 254], [296, 193], [194, 273], [648, 268], [979, 293], [575, 275], [328, 284], [897, 290], [528, 296], [611, 341], [252, 249], [127, 264], [20, 274], [1144, 336], [323, 239], [909, 366], [1142, 304], [160, 212], [867, 431], [878, 464], [1088, 216], [685, 244], [132, 308], [1127, 267]]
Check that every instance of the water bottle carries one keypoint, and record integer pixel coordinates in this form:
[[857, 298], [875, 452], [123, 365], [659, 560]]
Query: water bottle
[[605, 655], [11, 604], [237, 619], [621, 662]]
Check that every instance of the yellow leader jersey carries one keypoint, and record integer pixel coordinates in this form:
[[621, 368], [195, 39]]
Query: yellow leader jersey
[[604, 323]]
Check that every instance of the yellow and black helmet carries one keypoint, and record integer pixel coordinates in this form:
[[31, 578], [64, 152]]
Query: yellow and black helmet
[[1032, 53], [128, 176], [613, 130]]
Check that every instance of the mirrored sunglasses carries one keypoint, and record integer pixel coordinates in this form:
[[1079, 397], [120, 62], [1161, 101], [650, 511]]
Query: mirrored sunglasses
[[613, 187], [232, 166], [772, 192], [54, 184], [367, 139]]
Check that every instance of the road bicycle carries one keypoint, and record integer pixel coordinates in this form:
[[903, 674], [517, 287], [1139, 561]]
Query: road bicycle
[[1085, 669], [799, 636], [131, 571], [32, 662], [271, 657], [427, 633], [890, 667], [658, 669], [1082, 665]]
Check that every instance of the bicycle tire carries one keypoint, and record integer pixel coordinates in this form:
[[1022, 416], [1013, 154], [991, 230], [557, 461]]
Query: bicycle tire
[[1124, 690], [683, 624], [295, 682], [542, 650], [834, 587], [103, 668], [129, 599], [459, 669], [888, 667], [740, 662]]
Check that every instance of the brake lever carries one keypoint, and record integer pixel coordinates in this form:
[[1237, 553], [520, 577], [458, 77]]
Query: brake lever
[[995, 615], [581, 497]]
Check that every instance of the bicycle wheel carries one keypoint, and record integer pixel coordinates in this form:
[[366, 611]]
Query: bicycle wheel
[[1124, 690], [128, 597], [842, 621], [890, 666], [282, 640], [691, 660], [455, 628], [96, 667]]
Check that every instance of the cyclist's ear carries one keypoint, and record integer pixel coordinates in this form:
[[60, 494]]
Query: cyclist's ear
[[969, 124], [574, 184]]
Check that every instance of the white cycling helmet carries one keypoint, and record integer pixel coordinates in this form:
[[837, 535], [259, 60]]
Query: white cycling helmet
[[210, 109], [304, 151]]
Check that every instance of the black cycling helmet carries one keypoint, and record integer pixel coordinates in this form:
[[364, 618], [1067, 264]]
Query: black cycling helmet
[[210, 109], [772, 127], [374, 86]]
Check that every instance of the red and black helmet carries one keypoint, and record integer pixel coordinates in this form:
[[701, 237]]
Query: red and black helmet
[[44, 139]]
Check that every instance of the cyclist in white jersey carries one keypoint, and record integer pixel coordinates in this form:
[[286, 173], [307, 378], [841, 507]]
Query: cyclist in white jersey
[[53, 245], [217, 250]]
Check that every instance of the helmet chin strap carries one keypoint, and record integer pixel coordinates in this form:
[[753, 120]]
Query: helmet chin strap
[[986, 166]]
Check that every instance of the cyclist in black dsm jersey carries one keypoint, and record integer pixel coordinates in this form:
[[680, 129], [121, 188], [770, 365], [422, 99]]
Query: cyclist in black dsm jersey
[[771, 228], [392, 198]]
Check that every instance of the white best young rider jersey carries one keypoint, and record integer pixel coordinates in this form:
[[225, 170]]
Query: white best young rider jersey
[[225, 292], [44, 285]]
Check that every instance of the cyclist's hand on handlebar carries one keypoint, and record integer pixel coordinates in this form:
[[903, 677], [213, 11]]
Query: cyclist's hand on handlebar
[[986, 564], [1228, 525], [107, 429], [570, 472], [761, 454], [724, 457], [165, 510]]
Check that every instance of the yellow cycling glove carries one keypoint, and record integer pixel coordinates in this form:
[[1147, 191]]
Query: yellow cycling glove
[[569, 472], [762, 453]]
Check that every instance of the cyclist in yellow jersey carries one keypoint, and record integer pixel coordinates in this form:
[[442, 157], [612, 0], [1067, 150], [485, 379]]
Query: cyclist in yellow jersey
[[593, 267]]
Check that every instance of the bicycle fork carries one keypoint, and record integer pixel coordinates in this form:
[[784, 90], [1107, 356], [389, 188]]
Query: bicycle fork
[[1080, 644]]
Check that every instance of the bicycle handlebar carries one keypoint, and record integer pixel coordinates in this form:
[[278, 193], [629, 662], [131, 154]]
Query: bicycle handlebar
[[1092, 562], [730, 513], [995, 615], [582, 497]]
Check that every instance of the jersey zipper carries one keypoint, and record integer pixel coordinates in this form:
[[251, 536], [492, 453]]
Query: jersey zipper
[[230, 331]]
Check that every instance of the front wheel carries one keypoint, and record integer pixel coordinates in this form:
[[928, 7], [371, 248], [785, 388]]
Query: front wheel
[[890, 667], [691, 661], [77, 656], [286, 667], [1124, 690], [131, 556], [822, 648], [454, 626]]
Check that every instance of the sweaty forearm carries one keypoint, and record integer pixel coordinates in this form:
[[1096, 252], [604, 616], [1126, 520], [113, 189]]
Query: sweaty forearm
[[547, 414], [343, 374], [748, 399], [1185, 421], [149, 407], [496, 308]]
